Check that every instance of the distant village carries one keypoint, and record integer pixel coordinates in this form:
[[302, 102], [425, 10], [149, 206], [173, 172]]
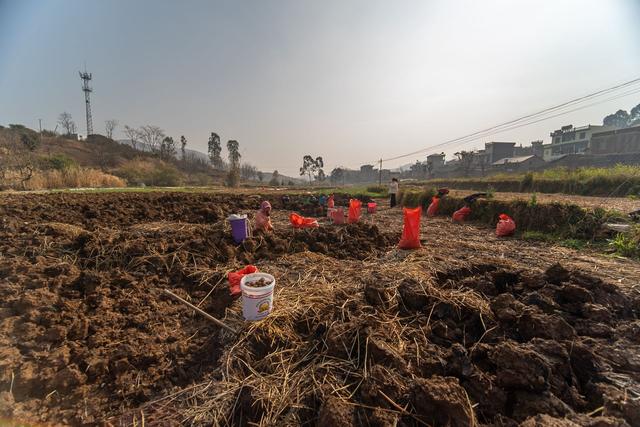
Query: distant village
[[572, 147]]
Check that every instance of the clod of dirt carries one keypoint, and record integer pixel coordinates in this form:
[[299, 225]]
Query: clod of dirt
[[527, 404], [382, 380], [442, 401], [519, 367], [335, 413], [557, 274], [534, 323], [506, 308], [412, 294], [378, 295]]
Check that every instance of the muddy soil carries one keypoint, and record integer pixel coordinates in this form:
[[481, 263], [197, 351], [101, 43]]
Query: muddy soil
[[443, 336]]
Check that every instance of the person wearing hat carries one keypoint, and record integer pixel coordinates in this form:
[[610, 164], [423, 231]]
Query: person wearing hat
[[263, 217]]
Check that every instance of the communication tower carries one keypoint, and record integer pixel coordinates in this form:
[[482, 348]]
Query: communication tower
[[86, 77]]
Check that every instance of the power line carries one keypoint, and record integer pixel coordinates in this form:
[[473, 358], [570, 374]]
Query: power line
[[528, 116]]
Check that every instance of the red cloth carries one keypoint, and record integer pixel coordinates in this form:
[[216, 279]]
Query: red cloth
[[411, 229], [432, 210], [235, 277], [461, 214], [506, 226], [298, 221]]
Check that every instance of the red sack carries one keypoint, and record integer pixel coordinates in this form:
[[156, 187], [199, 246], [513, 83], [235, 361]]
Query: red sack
[[330, 202], [411, 229], [298, 221], [337, 216], [461, 214], [506, 226], [432, 210], [355, 207], [234, 278]]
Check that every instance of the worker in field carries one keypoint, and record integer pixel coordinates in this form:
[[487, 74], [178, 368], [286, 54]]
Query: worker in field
[[432, 210], [393, 192], [263, 217], [463, 213]]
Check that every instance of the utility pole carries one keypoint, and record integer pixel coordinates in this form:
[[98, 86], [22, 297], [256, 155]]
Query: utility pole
[[40, 124], [86, 77], [380, 173]]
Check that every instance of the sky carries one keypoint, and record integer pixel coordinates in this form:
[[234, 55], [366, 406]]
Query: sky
[[349, 80]]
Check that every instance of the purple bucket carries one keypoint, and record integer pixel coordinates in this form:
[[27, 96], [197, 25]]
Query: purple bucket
[[239, 227]]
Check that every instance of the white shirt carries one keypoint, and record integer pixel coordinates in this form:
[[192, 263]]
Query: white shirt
[[393, 188]]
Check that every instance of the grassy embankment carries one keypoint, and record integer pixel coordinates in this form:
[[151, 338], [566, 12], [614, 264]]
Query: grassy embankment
[[618, 181]]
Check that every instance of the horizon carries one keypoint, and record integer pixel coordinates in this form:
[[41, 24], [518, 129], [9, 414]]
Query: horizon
[[349, 81]]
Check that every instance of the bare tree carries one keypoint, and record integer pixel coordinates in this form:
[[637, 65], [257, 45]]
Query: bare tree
[[152, 137], [66, 122], [110, 126], [133, 134], [248, 171], [183, 148]]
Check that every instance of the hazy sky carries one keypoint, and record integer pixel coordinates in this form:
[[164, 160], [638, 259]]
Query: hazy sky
[[349, 80]]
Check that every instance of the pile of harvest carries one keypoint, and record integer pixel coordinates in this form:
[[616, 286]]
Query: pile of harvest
[[360, 334]]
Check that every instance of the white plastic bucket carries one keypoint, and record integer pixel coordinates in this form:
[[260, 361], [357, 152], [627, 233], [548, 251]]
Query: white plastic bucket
[[257, 303]]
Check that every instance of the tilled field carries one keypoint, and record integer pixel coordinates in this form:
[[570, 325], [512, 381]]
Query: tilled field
[[468, 330]]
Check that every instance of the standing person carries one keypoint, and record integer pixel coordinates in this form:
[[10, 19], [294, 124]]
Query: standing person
[[393, 191]]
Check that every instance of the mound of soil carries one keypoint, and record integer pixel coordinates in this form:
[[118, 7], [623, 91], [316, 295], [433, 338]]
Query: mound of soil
[[86, 333]]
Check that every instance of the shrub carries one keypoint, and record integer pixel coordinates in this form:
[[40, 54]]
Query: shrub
[[72, 178], [378, 189], [153, 172], [627, 244], [58, 162]]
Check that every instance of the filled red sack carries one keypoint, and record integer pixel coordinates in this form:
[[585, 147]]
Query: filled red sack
[[298, 221], [337, 216], [234, 278], [411, 229], [330, 202], [461, 214], [506, 226], [355, 208], [432, 210]]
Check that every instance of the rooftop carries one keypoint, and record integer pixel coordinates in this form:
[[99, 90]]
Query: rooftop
[[512, 160]]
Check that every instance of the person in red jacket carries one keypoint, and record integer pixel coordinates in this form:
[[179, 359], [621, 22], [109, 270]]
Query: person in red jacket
[[432, 210], [461, 214]]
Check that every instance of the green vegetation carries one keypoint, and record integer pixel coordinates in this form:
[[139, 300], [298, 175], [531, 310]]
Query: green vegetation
[[627, 244], [377, 189], [59, 162], [550, 238], [619, 180]]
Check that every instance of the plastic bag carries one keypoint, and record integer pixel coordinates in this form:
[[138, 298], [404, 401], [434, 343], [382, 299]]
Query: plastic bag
[[506, 226], [234, 278], [298, 221], [432, 210], [411, 229], [337, 216], [355, 208], [461, 214]]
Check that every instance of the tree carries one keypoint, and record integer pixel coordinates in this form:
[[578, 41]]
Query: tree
[[260, 176], [29, 141], [619, 119], [167, 148], [110, 126], [133, 134], [215, 151], [152, 137], [337, 176], [248, 171], [183, 148], [233, 176], [634, 116], [321, 175], [66, 122], [466, 161], [233, 147], [311, 166], [274, 178]]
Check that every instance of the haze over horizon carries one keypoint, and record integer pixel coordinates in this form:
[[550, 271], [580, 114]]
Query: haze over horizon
[[351, 81]]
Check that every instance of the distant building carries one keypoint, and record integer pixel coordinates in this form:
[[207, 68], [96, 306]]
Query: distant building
[[498, 150], [570, 140], [616, 141], [435, 163], [518, 164]]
